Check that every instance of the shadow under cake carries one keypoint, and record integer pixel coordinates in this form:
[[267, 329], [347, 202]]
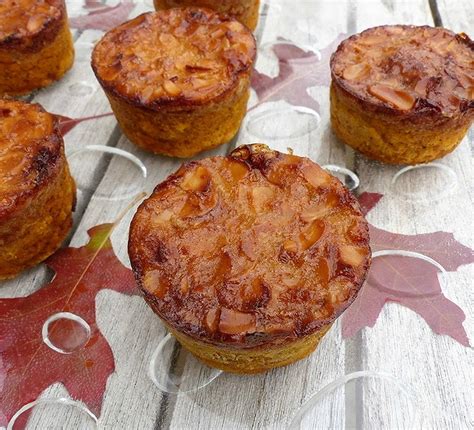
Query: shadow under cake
[[403, 94], [245, 11], [248, 259], [37, 192], [36, 45], [177, 80]]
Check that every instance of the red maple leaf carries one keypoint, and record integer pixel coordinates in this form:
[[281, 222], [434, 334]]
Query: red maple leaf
[[93, 4], [409, 281], [29, 365], [103, 18], [368, 201], [299, 70], [66, 124]]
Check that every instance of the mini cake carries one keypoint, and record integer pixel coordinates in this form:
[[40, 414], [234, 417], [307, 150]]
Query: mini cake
[[36, 47], [403, 94], [177, 80], [249, 258], [245, 11], [37, 193]]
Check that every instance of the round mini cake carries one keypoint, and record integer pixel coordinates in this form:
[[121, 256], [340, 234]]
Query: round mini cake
[[403, 94], [249, 258], [37, 193], [245, 11], [177, 80], [36, 46]]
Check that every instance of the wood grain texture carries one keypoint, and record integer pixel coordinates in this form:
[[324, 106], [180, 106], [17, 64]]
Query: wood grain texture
[[457, 15], [401, 343]]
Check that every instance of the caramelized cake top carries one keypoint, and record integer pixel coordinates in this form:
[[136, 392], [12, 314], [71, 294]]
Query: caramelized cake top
[[20, 20], [232, 7], [408, 68], [251, 247], [30, 147], [174, 57]]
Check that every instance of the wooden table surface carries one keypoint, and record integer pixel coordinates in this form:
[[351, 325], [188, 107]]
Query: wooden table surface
[[436, 367]]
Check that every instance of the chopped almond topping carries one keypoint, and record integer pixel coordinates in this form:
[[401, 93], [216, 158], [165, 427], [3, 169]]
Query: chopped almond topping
[[163, 217], [316, 176], [262, 197], [399, 98], [234, 322], [338, 290], [27, 17], [466, 80], [356, 71], [35, 23], [218, 33], [251, 264], [322, 271], [29, 149], [196, 180], [277, 173], [396, 65], [352, 255], [171, 88], [184, 286], [184, 51], [238, 170], [153, 283], [290, 281], [311, 234], [198, 205], [290, 246], [315, 212], [147, 93], [212, 319], [421, 86]]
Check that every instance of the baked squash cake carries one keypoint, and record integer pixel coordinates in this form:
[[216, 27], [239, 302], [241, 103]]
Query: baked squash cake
[[37, 193], [36, 46], [245, 11], [248, 259], [178, 80], [403, 94]]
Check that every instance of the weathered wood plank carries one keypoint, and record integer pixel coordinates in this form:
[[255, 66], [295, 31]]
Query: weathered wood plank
[[456, 15]]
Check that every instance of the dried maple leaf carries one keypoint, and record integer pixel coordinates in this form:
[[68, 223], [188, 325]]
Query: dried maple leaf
[[66, 124], [93, 4], [103, 18], [368, 201], [299, 70], [410, 282], [29, 365]]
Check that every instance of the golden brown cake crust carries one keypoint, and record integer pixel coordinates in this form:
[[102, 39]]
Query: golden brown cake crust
[[30, 153], [177, 58], [37, 193], [28, 25], [36, 45], [245, 11], [422, 74], [251, 249]]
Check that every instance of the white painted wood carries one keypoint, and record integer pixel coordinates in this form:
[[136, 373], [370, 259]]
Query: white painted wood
[[457, 15], [436, 367]]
